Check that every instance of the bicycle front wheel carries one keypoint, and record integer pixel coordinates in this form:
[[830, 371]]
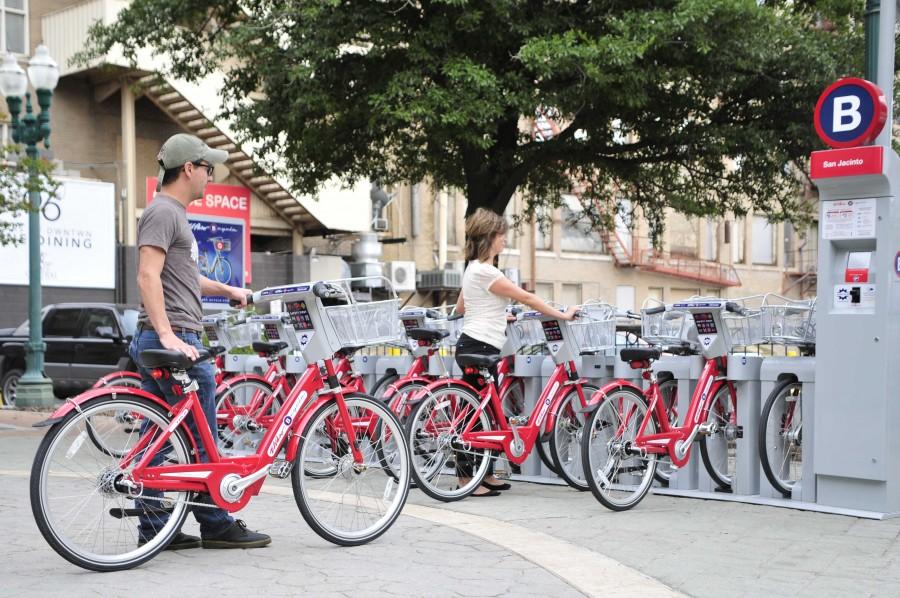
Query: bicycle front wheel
[[719, 449], [565, 440], [85, 501], [444, 466], [361, 499], [618, 475], [780, 436]]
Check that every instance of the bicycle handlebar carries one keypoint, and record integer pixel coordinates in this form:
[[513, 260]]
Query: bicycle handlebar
[[452, 317], [734, 308], [236, 303]]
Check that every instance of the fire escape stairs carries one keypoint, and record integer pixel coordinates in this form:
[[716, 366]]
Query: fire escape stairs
[[241, 165]]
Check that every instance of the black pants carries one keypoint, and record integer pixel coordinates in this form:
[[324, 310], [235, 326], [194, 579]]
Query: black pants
[[466, 345]]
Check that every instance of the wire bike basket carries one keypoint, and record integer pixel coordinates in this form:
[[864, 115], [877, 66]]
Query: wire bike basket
[[745, 329], [360, 324], [230, 331], [670, 327], [595, 329], [788, 321]]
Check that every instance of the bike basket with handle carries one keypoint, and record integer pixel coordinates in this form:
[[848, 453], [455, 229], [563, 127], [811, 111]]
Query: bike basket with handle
[[666, 327], [745, 329], [788, 321], [594, 329], [360, 324]]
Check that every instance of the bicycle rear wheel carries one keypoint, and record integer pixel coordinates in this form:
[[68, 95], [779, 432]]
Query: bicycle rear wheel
[[85, 502], [618, 477], [359, 501], [565, 440], [780, 436], [443, 466], [719, 449]]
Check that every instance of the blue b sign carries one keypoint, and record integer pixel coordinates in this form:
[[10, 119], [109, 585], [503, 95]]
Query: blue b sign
[[850, 112]]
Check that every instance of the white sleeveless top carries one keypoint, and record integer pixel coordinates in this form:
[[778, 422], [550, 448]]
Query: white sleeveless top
[[485, 318]]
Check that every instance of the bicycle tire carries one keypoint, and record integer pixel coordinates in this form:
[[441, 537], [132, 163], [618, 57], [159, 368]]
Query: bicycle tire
[[431, 451], [382, 383], [306, 488], [567, 456], [719, 461], [404, 392], [598, 459], [768, 439], [103, 484]]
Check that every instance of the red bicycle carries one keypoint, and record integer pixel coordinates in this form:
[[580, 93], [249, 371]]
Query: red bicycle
[[454, 428], [82, 499], [629, 429]]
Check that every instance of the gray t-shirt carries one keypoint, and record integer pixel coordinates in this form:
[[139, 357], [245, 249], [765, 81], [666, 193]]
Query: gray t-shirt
[[164, 224]]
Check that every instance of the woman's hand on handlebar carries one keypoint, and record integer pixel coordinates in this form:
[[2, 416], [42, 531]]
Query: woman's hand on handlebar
[[570, 313]]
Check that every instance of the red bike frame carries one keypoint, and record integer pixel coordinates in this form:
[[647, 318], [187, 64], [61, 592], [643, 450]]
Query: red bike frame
[[208, 476], [712, 379], [501, 438]]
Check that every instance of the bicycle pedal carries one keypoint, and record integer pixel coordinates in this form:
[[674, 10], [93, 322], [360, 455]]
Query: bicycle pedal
[[502, 474], [707, 429], [518, 420], [280, 468]]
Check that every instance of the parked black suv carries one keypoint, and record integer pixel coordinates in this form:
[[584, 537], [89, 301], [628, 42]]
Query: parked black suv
[[85, 341]]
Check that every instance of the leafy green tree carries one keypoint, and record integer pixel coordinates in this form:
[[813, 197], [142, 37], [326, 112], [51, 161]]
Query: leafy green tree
[[704, 106], [20, 175]]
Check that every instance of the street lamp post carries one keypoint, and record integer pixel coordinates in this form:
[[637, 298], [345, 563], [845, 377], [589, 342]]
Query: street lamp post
[[34, 389]]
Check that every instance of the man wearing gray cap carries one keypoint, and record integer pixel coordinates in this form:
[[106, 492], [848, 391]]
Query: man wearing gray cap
[[171, 286]]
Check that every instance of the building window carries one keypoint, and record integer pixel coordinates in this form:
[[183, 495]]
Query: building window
[[571, 294], [625, 297], [544, 290], [763, 241], [15, 32], [543, 229], [453, 198], [655, 293], [737, 241], [711, 240], [682, 236], [577, 235], [512, 236]]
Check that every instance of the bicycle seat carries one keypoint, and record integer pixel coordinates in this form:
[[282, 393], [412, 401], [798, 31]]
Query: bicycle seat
[[426, 334], [269, 348], [478, 361], [640, 354], [216, 350], [176, 360]]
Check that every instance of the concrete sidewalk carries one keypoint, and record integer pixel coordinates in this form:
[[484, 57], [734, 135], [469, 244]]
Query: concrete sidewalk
[[532, 540]]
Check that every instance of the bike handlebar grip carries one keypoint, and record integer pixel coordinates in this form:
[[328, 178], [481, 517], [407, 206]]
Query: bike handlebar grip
[[655, 310], [455, 317], [320, 290], [433, 314], [514, 311], [236, 303], [632, 315], [734, 308]]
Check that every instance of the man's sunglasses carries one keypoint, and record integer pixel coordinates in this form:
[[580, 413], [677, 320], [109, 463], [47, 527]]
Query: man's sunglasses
[[209, 167]]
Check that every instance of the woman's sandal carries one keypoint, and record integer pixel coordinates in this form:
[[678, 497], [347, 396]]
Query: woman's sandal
[[490, 493], [503, 486]]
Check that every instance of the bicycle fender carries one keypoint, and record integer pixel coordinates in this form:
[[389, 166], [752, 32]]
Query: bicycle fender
[[120, 374], [423, 394], [76, 402], [597, 398], [229, 382]]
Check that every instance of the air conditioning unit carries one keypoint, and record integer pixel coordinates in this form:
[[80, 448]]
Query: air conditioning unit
[[380, 225], [402, 275], [440, 280]]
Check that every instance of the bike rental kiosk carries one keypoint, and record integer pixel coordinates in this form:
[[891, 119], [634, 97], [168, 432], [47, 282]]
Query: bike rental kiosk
[[857, 372]]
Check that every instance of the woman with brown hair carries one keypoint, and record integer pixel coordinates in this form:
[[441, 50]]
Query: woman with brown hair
[[485, 294]]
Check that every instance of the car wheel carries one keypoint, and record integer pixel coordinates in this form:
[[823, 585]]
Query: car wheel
[[8, 386]]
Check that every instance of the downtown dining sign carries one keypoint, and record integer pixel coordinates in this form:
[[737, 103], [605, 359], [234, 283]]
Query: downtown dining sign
[[78, 238]]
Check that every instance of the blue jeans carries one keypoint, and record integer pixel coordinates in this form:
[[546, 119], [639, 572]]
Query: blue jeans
[[213, 520]]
